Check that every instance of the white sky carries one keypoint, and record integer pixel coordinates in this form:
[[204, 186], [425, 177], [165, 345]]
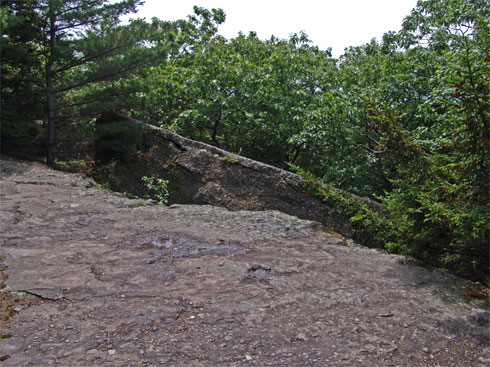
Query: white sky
[[328, 23]]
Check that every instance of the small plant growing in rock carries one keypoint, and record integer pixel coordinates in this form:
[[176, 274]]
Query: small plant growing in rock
[[137, 204], [158, 187], [101, 172], [231, 158], [79, 165], [130, 195]]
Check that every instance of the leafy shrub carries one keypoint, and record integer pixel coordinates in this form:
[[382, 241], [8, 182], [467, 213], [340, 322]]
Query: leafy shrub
[[101, 172], [369, 227], [75, 165], [158, 188], [421, 219]]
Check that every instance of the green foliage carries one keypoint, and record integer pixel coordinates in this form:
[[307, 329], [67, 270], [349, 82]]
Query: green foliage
[[22, 104], [442, 198], [230, 158], [100, 173], [66, 61], [72, 165], [369, 227], [22, 137], [418, 107], [118, 139], [435, 205], [244, 95], [130, 195], [158, 188], [406, 227]]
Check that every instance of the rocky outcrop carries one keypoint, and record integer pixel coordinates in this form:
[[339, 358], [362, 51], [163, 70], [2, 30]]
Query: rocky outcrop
[[96, 279], [199, 173]]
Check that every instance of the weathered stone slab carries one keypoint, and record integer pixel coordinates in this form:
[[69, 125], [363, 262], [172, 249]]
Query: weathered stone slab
[[199, 173], [120, 285]]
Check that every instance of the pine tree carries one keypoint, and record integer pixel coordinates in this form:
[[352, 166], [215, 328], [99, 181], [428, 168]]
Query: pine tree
[[78, 43]]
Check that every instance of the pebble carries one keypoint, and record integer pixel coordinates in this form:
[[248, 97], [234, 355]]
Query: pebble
[[385, 315], [128, 346], [300, 336], [44, 347]]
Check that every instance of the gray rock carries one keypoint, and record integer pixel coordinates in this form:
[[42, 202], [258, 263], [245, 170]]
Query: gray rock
[[298, 306], [199, 173]]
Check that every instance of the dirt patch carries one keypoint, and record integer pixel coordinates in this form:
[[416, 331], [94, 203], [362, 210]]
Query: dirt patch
[[187, 285], [11, 303]]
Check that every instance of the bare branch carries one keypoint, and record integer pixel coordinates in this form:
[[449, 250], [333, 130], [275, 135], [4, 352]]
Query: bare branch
[[372, 150]]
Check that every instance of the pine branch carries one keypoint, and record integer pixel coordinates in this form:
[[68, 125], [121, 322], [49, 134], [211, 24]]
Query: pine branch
[[99, 79], [87, 59]]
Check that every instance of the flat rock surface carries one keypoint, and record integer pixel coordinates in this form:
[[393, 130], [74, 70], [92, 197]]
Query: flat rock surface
[[129, 283]]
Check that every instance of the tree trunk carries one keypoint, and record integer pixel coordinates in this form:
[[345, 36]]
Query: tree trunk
[[215, 129], [51, 124], [50, 91]]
